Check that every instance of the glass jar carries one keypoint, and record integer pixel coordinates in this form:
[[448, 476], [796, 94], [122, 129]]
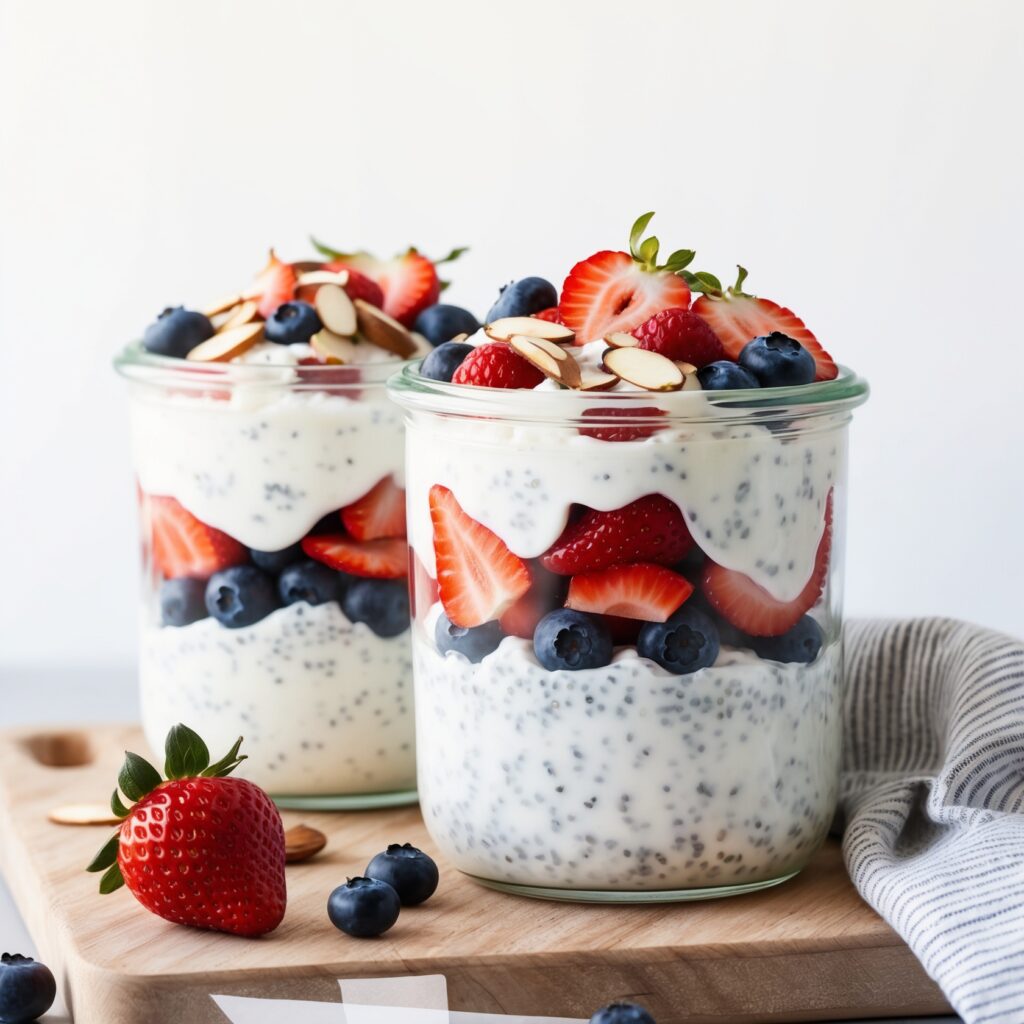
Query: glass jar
[[239, 468], [623, 771]]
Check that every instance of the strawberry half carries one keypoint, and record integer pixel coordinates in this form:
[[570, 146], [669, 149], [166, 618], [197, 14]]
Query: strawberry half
[[618, 291], [552, 314], [274, 285], [385, 559], [408, 283], [650, 529], [378, 513], [359, 286], [640, 591], [737, 318], [748, 606], [198, 848], [478, 577], [184, 546]]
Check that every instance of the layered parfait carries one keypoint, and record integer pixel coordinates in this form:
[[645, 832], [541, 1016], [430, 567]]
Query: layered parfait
[[625, 505], [271, 488]]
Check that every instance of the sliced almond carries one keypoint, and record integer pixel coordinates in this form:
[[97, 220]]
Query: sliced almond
[[225, 345], [529, 327], [595, 380], [338, 277], [243, 313], [620, 339], [84, 814], [560, 367], [333, 348], [648, 370], [383, 331], [226, 303], [336, 310], [302, 842], [459, 337]]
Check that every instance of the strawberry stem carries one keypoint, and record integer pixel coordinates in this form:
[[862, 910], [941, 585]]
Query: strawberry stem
[[186, 753]]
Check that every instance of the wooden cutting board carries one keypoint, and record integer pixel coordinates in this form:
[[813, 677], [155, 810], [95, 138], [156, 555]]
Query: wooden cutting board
[[807, 950]]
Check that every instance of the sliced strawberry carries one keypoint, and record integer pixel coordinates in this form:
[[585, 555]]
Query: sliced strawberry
[[184, 546], [378, 513], [738, 318], [479, 578], [748, 606], [552, 314], [650, 529], [497, 365], [628, 431], [639, 591], [274, 284], [359, 285], [546, 593], [409, 282], [385, 559], [682, 336]]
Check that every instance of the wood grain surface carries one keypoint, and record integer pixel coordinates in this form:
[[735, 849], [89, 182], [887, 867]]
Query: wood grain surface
[[807, 950]]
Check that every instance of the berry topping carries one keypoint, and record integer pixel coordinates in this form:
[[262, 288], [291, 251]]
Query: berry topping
[[617, 291], [442, 363], [240, 596], [572, 640], [308, 581], [726, 376], [640, 591], [777, 361], [227, 831], [292, 323], [384, 559], [442, 322], [27, 989], [472, 642], [383, 605], [176, 331], [685, 642], [552, 314], [681, 336], [378, 513], [497, 365], [801, 643], [363, 907], [358, 285], [478, 577], [410, 872], [750, 607], [638, 423], [650, 529], [182, 601], [183, 546], [622, 1013], [274, 285], [737, 318], [525, 297], [275, 561]]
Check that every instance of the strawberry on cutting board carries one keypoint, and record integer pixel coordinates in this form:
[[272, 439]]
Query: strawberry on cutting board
[[640, 591], [197, 848], [378, 513], [184, 546], [738, 318], [478, 576]]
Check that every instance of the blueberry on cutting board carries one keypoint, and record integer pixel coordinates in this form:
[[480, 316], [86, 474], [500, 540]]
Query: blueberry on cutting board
[[410, 872], [27, 989]]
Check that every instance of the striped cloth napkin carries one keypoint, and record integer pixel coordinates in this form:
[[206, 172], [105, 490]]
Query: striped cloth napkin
[[933, 801]]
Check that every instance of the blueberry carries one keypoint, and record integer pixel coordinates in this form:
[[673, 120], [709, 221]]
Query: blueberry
[[622, 1013], [182, 601], [725, 376], [309, 581], [176, 331], [686, 642], [410, 872], [363, 907], [27, 989], [567, 639], [802, 643], [441, 322], [777, 361], [382, 604], [240, 596], [442, 363], [276, 561], [524, 298], [474, 642], [292, 323]]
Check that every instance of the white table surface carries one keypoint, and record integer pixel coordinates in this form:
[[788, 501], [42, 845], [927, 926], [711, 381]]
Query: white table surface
[[28, 697]]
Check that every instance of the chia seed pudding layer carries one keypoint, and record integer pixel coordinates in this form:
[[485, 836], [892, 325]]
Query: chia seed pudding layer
[[325, 705], [627, 776]]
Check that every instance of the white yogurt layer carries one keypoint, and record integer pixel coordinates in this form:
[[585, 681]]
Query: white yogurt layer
[[626, 777], [266, 464], [325, 705]]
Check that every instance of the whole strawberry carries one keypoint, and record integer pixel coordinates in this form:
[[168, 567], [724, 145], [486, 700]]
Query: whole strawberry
[[197, 848], [497, 365]]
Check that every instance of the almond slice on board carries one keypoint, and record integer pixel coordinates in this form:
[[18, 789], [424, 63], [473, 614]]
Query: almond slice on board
[[595, 380], [84, 814], [648, 370], [338, 277], [553, 362], [381, 330], [529, 327], [244, 313], [335, 310], [302, 842], [227, 344], [226, 303], [620, 339], [333, 348]]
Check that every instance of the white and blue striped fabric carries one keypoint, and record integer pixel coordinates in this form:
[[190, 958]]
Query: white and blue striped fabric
[[933, 801]]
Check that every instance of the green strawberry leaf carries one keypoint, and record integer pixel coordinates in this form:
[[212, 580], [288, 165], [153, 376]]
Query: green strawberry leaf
[[326, 250], [106, 856], [227, 764], [117, 807], [636, 233], [678, 260], [649, 251], [702, 282], [138, 777], [112, 880], [453, 255], [186, 753], [741, 276]]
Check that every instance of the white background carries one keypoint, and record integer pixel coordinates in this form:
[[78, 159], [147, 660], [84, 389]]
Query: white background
[[863, 160]]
